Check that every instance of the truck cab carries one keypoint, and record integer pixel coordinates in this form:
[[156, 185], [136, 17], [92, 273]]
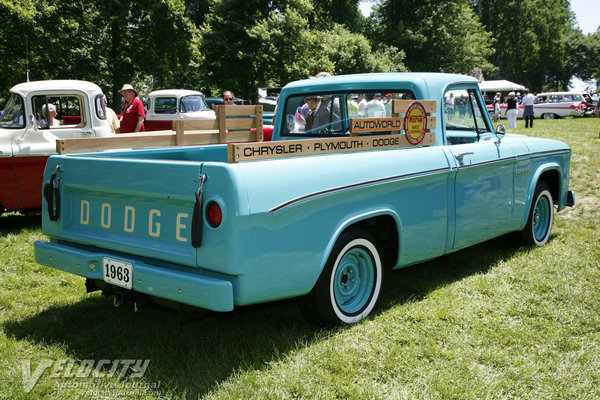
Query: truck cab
[[28, 133], [166, 106]]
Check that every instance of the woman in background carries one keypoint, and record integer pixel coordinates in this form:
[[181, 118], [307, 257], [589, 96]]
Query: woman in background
[[511, 110]]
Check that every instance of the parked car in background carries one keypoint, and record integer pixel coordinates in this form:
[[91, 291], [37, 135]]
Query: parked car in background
[[166, 106], [559, 104], [267, 130], [27, 139], [590, 103], [267, 97]]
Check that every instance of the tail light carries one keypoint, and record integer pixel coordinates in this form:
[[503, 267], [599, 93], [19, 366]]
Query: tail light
[[214, 215]]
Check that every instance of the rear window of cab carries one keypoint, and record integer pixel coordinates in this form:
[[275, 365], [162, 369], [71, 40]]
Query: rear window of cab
[[329, 113]]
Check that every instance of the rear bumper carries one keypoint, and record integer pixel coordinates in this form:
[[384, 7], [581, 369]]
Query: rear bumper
[[172, 282]]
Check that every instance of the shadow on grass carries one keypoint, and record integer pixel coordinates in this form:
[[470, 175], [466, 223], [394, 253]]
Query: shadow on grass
[[194, 353], [15, 223], [415, 282]]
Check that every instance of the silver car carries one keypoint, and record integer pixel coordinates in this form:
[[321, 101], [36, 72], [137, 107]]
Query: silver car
[[559, 104]]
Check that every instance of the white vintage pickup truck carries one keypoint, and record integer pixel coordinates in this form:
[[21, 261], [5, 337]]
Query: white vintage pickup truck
[[341, 194], [27, 138], [168, 105]]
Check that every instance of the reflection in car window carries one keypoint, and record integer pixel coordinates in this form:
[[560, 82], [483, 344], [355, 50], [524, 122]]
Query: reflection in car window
[[329, 114], [13, 114], [68, 111], [193, 103], [165, 105], [463, 117]]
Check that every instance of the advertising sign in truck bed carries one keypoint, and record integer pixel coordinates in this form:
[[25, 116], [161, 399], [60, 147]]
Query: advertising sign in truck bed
[[365, 173]]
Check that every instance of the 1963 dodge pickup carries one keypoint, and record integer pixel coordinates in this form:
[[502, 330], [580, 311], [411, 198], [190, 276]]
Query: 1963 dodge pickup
[[346, 189]]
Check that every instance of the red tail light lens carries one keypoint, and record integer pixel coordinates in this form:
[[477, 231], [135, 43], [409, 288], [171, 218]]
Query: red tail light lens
[[214, 215]]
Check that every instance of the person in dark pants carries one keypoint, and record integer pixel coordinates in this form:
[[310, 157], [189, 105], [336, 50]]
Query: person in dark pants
[[528, 109]]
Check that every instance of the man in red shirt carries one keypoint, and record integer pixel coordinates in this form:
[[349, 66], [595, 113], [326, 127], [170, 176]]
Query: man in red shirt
[[132, 114]]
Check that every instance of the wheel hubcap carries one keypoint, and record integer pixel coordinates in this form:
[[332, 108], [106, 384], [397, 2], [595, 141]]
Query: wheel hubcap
[[353, 280], [541, 217]]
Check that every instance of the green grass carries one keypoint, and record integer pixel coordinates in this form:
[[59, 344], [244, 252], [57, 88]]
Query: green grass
[[495, 321]]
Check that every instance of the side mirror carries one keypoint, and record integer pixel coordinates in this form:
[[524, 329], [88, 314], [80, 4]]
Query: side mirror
[[500, 131]]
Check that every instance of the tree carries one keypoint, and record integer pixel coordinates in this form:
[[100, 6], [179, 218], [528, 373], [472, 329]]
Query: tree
[[351, 53], [439, 36], [530, 39], [343, 12], [197, 10], [249, 48], [582, 53], [145, 42], [149, 43], [288, 48], [18, 21]]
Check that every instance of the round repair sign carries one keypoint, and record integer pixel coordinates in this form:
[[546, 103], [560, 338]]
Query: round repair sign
[[415, 123]]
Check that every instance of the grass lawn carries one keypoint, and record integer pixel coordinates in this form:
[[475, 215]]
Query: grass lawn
[[495, 321]]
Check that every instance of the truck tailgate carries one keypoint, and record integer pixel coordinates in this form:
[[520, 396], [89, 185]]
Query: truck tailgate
[[140, 207]]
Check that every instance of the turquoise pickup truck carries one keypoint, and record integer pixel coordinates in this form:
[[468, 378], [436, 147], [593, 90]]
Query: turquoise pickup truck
[[365, 173]]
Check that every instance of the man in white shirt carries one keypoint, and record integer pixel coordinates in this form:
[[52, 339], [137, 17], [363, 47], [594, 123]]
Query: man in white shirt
[[375, 107], [528, 110]]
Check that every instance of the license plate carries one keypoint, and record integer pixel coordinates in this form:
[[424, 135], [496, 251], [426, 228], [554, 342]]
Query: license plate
[[117, 272]]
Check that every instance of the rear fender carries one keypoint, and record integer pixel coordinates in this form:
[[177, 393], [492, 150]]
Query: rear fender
[[362, 217]]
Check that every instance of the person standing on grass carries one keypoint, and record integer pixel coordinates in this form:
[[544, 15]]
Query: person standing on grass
[[132, 113], [528, 100], [511, 110], [496, 103]]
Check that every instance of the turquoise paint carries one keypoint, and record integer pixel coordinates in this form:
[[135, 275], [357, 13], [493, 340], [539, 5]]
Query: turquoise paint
[[282, 217]]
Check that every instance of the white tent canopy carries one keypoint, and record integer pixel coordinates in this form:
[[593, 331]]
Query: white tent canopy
[[500, 86]]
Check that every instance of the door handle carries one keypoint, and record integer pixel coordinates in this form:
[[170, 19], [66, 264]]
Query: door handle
[[86, 132], [459, 156]]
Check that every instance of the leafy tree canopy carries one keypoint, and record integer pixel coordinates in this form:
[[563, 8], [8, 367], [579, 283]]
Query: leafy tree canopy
[[435, 36], [240, 45]]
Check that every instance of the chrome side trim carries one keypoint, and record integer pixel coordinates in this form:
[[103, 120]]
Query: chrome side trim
[[327, 192], [499, 160], [479, 164], [315, 195], [541, 153]]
